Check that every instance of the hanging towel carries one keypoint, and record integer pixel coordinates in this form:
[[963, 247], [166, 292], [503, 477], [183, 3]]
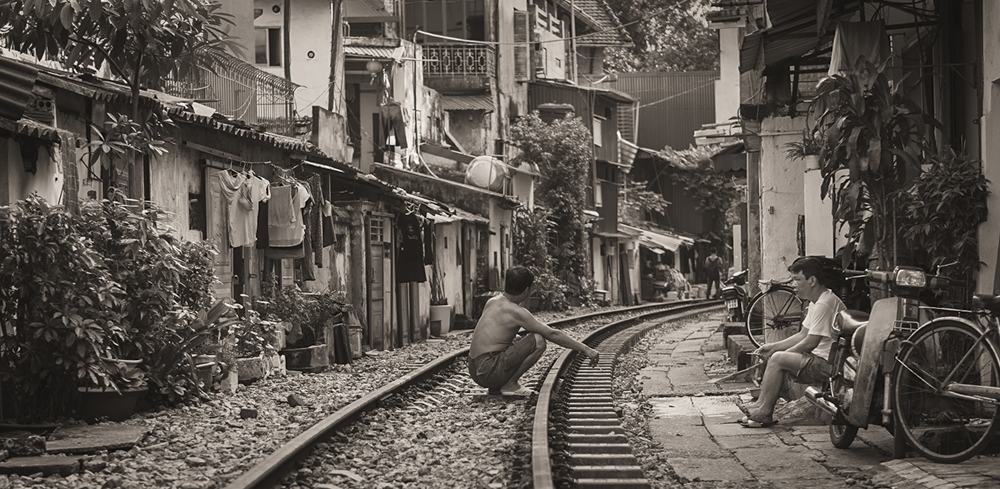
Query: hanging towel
[[238, 198], [284, 215], [410, 262], [316, 220]]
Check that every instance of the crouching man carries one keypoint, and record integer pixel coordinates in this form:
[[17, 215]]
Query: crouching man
[[498, 357]]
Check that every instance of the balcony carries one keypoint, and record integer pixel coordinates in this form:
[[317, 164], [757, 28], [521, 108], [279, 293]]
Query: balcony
[[243, 91], [458, 60]]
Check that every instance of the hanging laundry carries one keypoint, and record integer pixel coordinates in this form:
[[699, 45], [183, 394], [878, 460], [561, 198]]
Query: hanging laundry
[[410, 262], [262, 235], [285, 224], [316, 220], [429, 237], [241, 197], [391, 115], [328, 235]]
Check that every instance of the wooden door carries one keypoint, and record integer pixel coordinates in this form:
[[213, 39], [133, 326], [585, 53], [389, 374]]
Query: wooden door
[[380, 300], [218, 234]]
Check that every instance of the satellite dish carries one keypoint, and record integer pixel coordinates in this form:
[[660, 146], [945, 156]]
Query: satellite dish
[[486, 172]]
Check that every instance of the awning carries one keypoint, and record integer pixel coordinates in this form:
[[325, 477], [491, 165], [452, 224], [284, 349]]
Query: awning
[[457, 215], [653, 240], [467, 102], [798, 29], [380, 52], [367, 11]]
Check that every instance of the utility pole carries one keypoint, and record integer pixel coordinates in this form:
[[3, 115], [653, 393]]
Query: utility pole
[[572, 39]]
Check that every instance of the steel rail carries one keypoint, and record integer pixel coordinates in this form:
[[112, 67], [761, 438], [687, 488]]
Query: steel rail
[[541, 456], [269, 471]]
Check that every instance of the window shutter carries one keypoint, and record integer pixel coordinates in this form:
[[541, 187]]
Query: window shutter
[[522, 61]]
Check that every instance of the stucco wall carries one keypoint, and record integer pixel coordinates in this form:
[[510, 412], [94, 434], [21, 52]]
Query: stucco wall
[[989, 232], [448, 259], [780, 196]]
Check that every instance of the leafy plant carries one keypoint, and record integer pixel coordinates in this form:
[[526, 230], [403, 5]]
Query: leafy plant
[[563, 153], [141, 42], [307, 313], [119, 374], [879, 136], [943, 211], [636, 204], [170, 363], [712, 192], [59, 306], [809, 145], [254, 336]]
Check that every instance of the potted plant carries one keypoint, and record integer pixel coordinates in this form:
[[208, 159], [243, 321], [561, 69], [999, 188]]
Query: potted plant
[[254, 346], [807, 148], [115, 395], [312, 317], [879, 137]]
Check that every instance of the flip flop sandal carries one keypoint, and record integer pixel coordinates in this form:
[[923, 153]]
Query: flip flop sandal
[[755, 424]]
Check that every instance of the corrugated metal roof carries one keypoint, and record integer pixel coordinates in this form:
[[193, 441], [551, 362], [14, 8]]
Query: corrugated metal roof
[[672, 106], [467, 102], [795, 31], [16, 80]]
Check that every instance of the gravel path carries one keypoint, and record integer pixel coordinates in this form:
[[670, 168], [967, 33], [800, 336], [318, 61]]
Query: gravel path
[[206, 445]]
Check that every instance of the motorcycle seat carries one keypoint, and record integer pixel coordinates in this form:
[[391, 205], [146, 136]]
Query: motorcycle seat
[[986, 301], [847, 322]]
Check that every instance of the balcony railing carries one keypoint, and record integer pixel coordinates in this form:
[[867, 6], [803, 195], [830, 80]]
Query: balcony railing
[[243, 91], [458, 60]]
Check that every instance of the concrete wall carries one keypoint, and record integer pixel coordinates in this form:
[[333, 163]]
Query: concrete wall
[[727, 87], [989, 232], [47, 179], [780, 196], [243, 28]]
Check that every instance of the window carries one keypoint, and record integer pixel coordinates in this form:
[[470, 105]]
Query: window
[[267, 46], [598, 198], [598, 129]]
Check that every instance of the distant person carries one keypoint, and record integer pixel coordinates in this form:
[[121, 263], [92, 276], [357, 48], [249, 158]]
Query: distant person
[[713, 268], [497, 357]]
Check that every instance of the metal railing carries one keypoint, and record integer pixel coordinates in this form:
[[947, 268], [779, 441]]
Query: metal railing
[[458, 60], [243, 91]]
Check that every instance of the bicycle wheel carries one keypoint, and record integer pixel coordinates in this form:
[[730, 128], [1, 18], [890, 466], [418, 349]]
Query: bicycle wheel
[[774, 315], [945, 429]]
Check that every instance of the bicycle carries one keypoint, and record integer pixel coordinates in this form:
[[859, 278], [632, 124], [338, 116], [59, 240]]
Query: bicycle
[[774, 313], [946, 384]]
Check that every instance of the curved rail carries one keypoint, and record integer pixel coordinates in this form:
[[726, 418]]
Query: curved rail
[[541, 457], [269, 471]]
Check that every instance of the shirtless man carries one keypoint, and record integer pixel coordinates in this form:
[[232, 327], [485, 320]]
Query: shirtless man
[[498, 358]]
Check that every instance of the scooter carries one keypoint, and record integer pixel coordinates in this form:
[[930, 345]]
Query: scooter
[[863, 357], [735, 296]]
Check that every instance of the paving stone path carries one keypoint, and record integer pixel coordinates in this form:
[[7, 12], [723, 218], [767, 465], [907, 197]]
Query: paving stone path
[[695, 422]]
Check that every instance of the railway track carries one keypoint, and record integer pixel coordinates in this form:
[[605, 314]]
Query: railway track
[[437, 385]]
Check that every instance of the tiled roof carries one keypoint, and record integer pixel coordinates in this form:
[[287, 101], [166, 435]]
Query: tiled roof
[[610, 33]]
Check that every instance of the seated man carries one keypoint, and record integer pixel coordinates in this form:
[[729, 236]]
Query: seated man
[[804, 355], [497, 358]]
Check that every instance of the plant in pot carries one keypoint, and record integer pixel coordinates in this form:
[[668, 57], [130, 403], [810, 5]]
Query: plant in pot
[[58, 306], [807, 148], [878, 137], [311, 318]]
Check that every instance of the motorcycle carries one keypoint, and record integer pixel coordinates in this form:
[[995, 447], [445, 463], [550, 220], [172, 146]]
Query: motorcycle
[[863, 357], [735, 295]]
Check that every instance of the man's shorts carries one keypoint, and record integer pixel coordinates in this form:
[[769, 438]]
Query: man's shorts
[[492, 370], [814, 370]]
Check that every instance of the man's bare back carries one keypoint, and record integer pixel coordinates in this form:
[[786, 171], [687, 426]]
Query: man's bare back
[[498, 325]]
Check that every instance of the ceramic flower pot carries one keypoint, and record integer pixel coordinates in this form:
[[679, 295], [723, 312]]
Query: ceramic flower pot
[[100, 402]]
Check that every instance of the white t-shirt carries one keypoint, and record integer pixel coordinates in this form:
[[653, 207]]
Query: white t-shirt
[[819, 321]]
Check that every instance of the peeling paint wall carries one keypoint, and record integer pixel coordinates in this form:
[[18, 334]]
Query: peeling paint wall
[[780, 196], [989, 231]]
